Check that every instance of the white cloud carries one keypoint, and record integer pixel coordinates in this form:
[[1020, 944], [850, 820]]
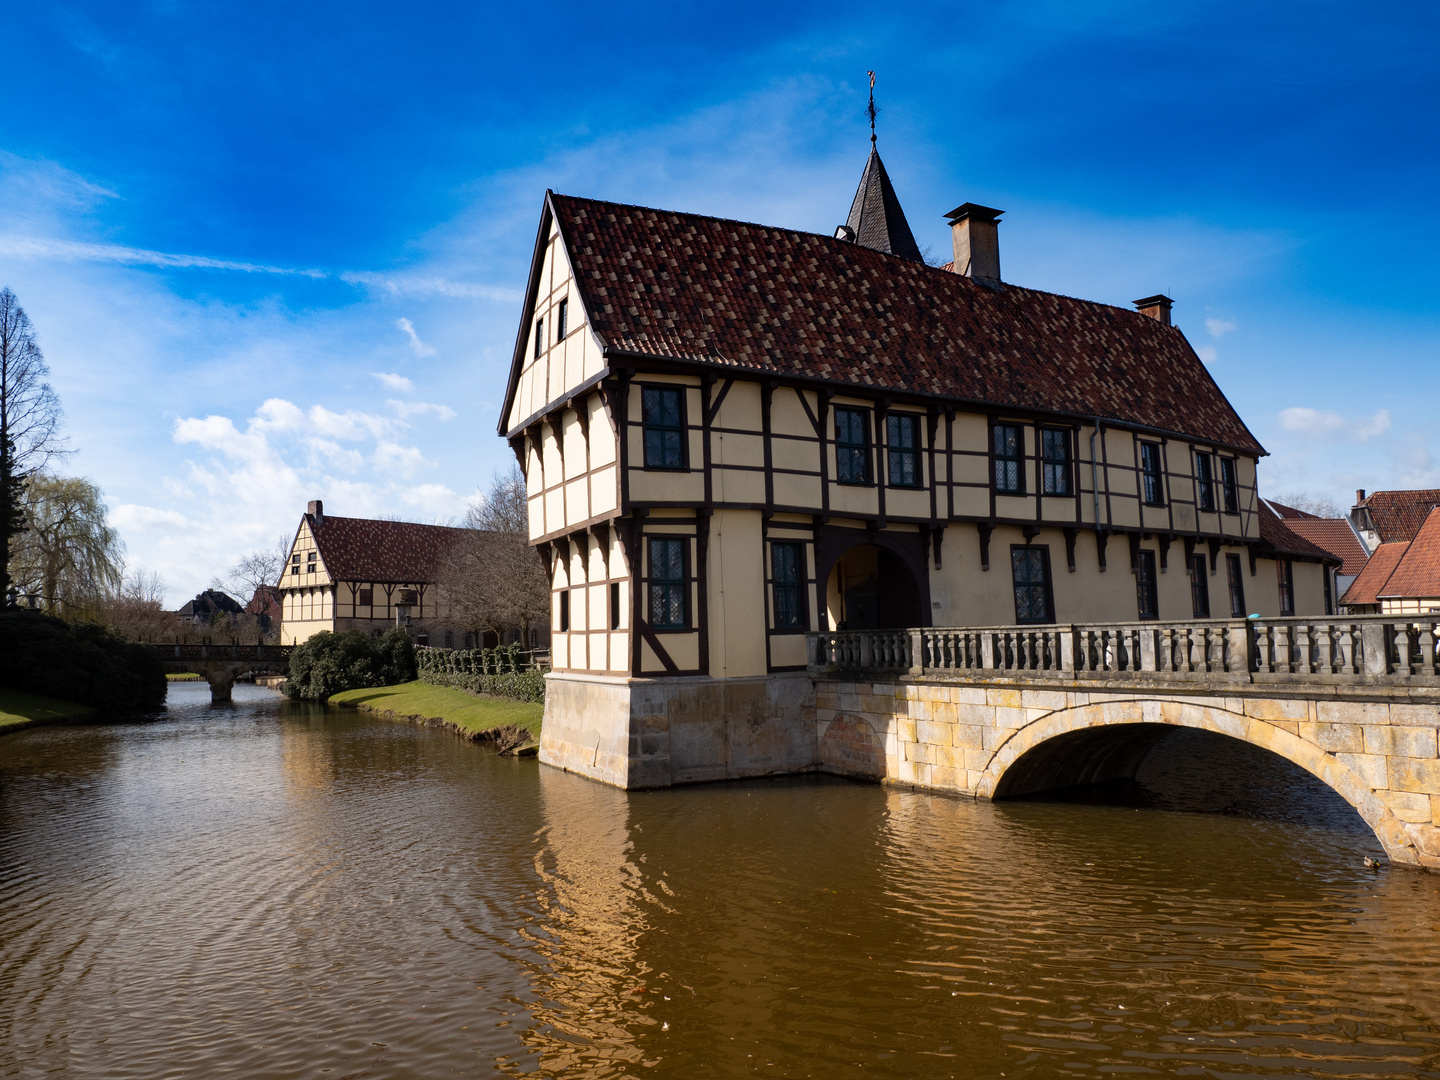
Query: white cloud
[[422, 286], [391, 457], [1315, 423], [1219, 327], [399, 383], [408, 329], [407, 409], [1207, 353], [131, 516], [55, 250], [351, 424]]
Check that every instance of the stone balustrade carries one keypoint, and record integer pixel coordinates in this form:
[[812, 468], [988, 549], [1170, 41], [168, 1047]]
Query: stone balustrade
[[1364, 650]]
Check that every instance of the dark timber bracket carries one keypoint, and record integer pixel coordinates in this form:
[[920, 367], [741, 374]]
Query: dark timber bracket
[[985, 530], [937, 537], [1070, 535], [1029, 532], [1134, 552], [1215, 545], [1163, 540], [1101, 539]]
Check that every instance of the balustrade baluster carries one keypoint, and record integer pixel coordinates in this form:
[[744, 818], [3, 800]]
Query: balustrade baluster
[[1262, 649], [1402, 650], [1300, 654], [1427, 648]]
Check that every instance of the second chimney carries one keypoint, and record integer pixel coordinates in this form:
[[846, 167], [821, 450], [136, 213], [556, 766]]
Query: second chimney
[[1157, 307], [975, 230], [316, 509]]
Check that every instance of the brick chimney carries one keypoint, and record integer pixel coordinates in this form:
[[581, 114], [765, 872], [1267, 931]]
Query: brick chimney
[[975, 231], [1359, 496], [316, 509], [1157, 307]]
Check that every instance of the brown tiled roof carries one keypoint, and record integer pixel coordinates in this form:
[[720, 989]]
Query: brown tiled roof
[[672, 285], [1335, 536], [1418, 574], [1365, 589], [1398, 515], [397, 552], [1278, 535]]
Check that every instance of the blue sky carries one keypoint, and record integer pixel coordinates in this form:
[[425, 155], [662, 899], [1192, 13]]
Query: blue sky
[[275, 252]]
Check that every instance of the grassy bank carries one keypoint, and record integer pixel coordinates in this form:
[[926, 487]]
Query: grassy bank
[[466, 713], [21, 710]]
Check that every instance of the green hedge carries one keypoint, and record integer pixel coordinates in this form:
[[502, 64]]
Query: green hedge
[[327, 663], [498, 672], [85, 663]]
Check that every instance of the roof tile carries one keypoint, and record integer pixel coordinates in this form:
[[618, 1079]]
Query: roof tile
[[394, 552], [1418, 573]]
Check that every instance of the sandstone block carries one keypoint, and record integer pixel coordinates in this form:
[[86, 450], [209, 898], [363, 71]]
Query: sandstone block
[[1292, 726], [878, 705], [1340, 712], [967, 737], [934, 693], [980, 715], [1435, 808], [943, 712], [946, 778], [992, 738], [1009, 718], [1339, 738], [1122, 712], [905, 729], [1415, 742], [1276, 709], [850, 702], [967, 695], [1048, 700], [1009, 699], [928, 732], [1415, 715], [826, 700], [1370, 768], [977, 760], [1407, 805], [1415, 774]]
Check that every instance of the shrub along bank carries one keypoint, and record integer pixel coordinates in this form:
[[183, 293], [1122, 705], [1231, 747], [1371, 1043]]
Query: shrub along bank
[[83, 663], [497, 672], [329, 663]]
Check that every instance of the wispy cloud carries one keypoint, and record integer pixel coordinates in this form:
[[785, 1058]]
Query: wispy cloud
[[391, 381], [1218, 328], [35, 247], [422, 285], [1207, 353], [1317, 423], [407, 409], [408, 329]]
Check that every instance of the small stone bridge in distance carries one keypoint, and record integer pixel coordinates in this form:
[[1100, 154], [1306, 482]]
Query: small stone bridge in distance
[[223, 665], [1012, 710]]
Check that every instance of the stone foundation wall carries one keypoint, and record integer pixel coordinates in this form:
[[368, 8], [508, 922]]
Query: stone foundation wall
[[646, 733], [1376, 748]]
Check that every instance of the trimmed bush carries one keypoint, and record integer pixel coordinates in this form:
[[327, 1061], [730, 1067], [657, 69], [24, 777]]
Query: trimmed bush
[[328, 663], [497, 672], [87, 663]]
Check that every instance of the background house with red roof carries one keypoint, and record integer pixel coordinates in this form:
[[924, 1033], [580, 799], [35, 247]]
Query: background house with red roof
[[1337, 536], [368, 575], [1387, 517], [1403, 576]]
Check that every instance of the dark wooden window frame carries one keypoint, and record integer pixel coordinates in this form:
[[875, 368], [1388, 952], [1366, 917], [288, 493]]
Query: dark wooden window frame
[[796, 589], [684, 583], [646, 427], [1285, 580], [365, 597], [1046, 585], [866, 455], [564, 611], [1147, 587], [1205, 481], [1053, 469], [562, 316], [1230, 484], [896, 454], [1199, 586], [539, 336], [616, 612], [1017, 459], [1152, 474], [1236, 581]]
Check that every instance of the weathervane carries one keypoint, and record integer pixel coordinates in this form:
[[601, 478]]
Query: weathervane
[[871, 109]]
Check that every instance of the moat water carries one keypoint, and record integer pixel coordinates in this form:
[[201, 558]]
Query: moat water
[[264, 890]]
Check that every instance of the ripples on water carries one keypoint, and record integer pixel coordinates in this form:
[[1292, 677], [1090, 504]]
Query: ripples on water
[[262, 890]]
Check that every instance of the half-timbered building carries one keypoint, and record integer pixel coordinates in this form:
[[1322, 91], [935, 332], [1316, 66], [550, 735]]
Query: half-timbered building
[[734, 433]]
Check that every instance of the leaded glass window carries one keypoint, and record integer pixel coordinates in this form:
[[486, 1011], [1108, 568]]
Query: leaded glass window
[[668, 584], [664, 427]]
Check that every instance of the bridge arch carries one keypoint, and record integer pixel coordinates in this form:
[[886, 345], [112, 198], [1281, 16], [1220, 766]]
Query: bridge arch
[[1108, 740]]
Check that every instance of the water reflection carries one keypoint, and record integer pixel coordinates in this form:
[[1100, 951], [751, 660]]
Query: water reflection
[[268, 891]]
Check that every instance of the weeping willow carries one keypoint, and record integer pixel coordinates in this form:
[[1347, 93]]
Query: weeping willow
[[68, 558]]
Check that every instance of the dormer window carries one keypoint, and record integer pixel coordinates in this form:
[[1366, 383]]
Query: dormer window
[[295, 564], [539, 337], [562, 320]]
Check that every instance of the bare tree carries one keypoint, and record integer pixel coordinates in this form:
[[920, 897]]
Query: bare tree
[[136, 610], [493, 579], [29, 423], [68, 559], [259, 567], [1319, 505]]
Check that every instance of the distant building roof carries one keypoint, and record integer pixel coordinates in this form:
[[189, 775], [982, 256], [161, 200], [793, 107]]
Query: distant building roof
[[1334, 535], [210, 602], [1291, 513], [1365, 589], [394, 552], [1418, 572], [753, 298], [266, 601], [1278, 535], [1398, 515]]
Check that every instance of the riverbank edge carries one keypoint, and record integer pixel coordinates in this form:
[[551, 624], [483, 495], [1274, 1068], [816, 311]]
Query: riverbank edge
[[518, 724], [20, 709]]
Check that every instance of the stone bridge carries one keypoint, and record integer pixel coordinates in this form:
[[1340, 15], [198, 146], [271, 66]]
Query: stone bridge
[[1012, 710], [222, 665]]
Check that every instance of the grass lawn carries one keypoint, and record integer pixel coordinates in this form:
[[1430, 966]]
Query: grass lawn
[[19, 710], [183, 676], [466, 711]]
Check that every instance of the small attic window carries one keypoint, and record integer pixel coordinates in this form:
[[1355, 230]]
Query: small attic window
[[539, 337], [562, 319]]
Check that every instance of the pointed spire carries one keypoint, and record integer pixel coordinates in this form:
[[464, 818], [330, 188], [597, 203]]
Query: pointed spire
[[876, 220]]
